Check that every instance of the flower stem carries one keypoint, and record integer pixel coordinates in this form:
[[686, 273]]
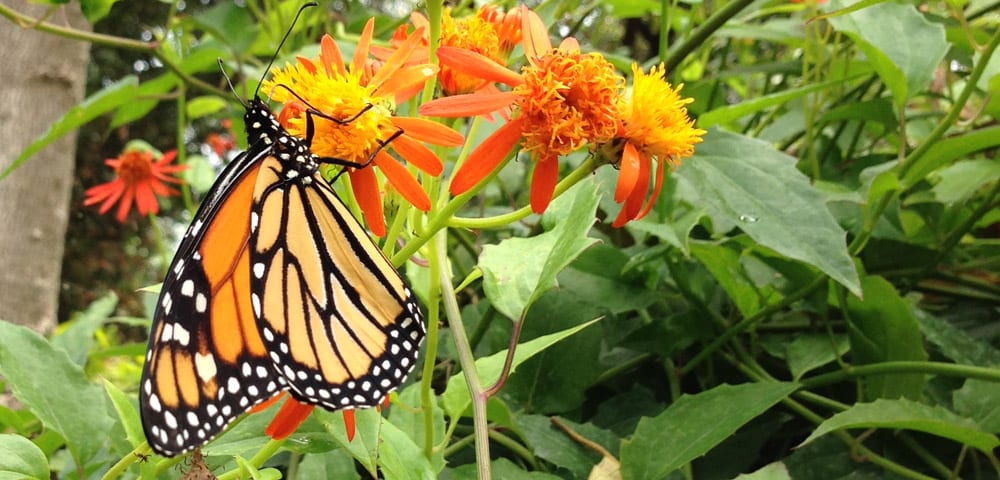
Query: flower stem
[[434, 288], [466, 360]]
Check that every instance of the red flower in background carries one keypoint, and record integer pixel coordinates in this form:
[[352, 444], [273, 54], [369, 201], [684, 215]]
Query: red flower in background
[[140, 178]]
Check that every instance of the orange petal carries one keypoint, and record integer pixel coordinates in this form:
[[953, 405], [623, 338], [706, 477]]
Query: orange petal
[[478, 65], [361, 51], [468, 105], [402, 181], [416, 154], [405, 78], [486, 157], [570, 44], [628, 172], [288, 419], [656, 190], [125, 204], [260, 407], [392, 64], [349, 424], [543, 183], [306, 63], [385, 401], [365, 187], [535, 35], [329, 55], [429, 131], [634, 201]]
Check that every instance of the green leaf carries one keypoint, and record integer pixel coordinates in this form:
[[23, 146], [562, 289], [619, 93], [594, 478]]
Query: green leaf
[[961, 180], [905, 66], [693, 425], [957, 344], [199, 175], [127, 414], [378, 441], [205, 105], [455, 398], [95, 10], [55, 389], [909, 415], [230, 23], [762, 192], [731, 113], [724, 263], [882, 328], [21, 459], [947, 150], [979, 400], [105, 100], [773, 471], [810, 351], [550, 443], [77, 335], [519, 270], [337, 464]]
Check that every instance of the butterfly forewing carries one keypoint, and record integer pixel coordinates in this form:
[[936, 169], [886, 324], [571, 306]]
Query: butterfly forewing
[[338, 320], [206, 363]]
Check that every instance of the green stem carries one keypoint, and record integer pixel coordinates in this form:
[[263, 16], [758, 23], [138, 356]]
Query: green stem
[[263, 455], [700, 35], [27, 22], [466, 360], [437, 257], [956, 108], [116, 470], [583, 171], [746, 323], [515, 447], [884, 368]]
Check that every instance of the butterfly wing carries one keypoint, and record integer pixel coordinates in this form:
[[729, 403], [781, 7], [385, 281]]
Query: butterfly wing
[[206, 363], [339, 323]]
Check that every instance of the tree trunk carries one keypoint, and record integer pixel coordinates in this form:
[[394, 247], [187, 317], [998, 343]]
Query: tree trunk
[[42, 76]]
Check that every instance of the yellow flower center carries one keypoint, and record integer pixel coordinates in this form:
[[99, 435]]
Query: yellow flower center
[[567, 99], [470, 33], [341, 98], [135, 166], [656, 119]]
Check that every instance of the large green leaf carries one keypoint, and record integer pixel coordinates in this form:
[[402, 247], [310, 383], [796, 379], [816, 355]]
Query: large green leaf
[[882, 328], [21, 459], [749, 184], [980, 401], [105, 100], [519, 270], [909, 415], [55, 389], [693, 425], [904, 51], [77, 335], [456, 399]]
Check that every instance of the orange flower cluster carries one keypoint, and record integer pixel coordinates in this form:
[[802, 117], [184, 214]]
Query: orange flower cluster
[[562, 101]]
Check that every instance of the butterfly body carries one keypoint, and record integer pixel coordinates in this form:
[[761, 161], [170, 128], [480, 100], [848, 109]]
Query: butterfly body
[[275, 287]]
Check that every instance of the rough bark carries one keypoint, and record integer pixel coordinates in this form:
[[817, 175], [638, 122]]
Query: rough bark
[[42, 76]]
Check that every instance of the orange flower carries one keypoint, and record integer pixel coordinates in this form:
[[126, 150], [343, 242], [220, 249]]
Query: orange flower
[[293, 413], [656, 128], [366, 93], [564, 98], [139, 178]]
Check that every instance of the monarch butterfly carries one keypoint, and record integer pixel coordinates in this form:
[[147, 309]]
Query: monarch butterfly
[[274, 287]]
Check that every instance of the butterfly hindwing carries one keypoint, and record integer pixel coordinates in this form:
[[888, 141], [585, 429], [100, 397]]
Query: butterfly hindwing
[[340, 324]]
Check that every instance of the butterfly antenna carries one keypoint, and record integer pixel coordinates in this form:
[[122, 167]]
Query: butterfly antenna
[[287, 33], [229, 81]]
